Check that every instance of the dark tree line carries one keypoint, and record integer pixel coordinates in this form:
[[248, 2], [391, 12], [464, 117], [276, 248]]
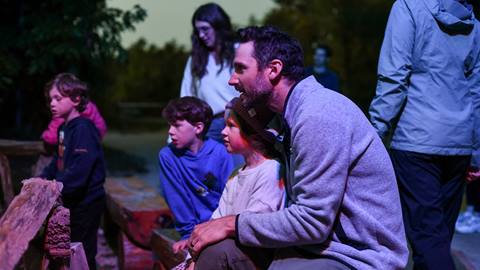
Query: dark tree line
[[353, 29], [39, 39], [149, 74]]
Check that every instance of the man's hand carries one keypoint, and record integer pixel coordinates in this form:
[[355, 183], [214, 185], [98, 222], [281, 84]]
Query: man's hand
[[473, 174], [210, 232], [180, 245]]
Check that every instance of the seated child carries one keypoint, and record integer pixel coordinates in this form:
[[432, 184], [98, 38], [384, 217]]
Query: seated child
[[258, 186], [193, 168], [78, 162]]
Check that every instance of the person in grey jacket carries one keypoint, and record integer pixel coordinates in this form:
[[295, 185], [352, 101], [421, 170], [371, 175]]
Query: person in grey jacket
[[343, 209], [428, 94]]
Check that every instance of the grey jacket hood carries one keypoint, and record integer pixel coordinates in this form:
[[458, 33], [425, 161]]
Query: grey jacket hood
[[452, 14]]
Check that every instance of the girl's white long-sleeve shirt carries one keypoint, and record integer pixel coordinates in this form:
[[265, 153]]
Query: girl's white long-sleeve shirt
[[257, 190], [213, 87]]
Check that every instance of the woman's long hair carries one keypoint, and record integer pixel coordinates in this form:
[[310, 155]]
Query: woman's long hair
[[224, 39]]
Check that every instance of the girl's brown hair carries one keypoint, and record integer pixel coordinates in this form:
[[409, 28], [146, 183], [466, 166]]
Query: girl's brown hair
[[252, 122]]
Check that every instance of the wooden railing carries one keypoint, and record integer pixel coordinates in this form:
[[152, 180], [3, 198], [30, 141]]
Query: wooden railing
[[14, 148], [37, 206]]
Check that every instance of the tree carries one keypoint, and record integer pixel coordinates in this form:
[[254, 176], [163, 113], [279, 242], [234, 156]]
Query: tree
[[39, 39], [149, 74], [353, 29]]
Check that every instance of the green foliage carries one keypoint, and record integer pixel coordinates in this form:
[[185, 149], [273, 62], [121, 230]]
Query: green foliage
[[150, 74], [67, 33], [39, 39], [353, 29]]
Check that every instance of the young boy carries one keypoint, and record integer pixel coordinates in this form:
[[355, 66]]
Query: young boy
[[193, 168], [78, 162]]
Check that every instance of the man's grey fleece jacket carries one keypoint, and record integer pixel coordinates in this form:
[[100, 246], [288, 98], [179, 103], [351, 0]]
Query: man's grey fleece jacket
[[343, 197]]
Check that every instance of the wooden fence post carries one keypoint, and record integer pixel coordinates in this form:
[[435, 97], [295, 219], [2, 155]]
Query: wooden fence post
[[6, 181]]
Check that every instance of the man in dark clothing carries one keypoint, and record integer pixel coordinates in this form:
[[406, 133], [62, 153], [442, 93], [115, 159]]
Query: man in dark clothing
[[320, 70]]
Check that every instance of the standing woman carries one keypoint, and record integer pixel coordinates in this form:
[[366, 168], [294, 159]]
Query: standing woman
[[209, 67]]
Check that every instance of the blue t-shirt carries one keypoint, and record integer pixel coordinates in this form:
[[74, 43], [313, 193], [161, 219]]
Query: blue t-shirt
[[192, 184]]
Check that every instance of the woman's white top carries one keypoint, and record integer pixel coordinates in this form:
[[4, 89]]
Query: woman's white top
[[212, 88]]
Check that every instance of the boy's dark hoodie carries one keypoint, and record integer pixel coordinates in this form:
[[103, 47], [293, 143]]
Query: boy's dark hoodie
[[78, 163]]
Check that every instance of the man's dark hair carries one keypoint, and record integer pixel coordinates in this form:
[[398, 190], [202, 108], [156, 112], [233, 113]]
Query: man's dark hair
[[271, 43], [224, 39], [190, 109], [326, 48], [69, 86]]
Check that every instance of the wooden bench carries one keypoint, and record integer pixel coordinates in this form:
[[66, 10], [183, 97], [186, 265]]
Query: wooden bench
[[162, 241], [138, 209]]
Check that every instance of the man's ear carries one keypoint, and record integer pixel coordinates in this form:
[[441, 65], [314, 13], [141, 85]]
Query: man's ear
[[199, 127], [275, 69]]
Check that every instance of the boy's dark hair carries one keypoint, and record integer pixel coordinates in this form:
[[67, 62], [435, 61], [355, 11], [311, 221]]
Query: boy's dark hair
[[252, 121], [271, 43], [190, 109], [224, 38], [69, 86]]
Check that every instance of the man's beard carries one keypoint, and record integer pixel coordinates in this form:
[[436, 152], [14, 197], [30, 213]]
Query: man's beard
[[260, 95]]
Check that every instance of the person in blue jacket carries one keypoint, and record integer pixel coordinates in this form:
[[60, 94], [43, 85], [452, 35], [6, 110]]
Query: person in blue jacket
[[428, 96], [78, 163], [193, 167]]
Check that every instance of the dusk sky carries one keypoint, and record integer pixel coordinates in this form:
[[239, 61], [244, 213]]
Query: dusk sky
[[170, 19]]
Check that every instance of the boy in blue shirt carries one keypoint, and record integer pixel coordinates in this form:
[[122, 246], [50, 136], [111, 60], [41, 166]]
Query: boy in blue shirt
[[193, 168], [78, 163]]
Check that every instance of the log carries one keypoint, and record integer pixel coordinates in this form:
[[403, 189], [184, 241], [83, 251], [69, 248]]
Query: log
[[21, 148], [136, 208], [57, 233], [162, 241], [24, 217]]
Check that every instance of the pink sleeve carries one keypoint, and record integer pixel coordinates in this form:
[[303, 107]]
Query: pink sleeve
[[92, 113], [50, 135]]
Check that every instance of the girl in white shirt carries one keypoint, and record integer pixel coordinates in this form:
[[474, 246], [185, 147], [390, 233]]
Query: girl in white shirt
[[208, 69]]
